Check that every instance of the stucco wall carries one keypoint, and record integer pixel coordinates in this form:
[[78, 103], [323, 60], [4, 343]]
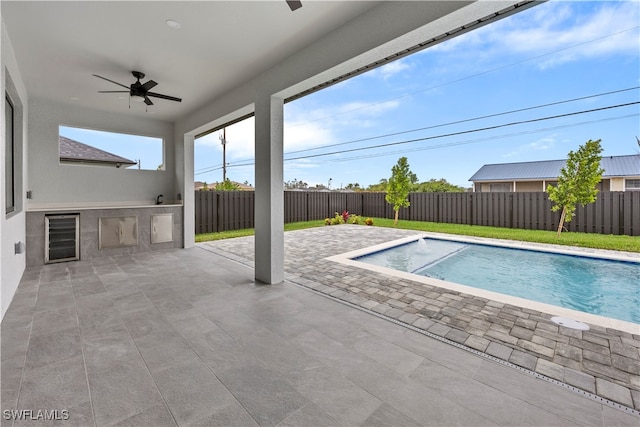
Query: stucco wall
[[52, 182], [12, 226]]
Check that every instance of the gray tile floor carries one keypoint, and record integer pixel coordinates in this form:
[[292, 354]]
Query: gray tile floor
[[185, 337]]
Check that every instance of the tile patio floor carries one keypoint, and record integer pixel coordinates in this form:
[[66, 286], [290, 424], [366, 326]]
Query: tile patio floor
[[185, 337]]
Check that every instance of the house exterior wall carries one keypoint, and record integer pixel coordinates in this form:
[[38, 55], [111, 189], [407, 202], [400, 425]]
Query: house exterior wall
[[523, 186], [613, 184], [12, 226], [617, 184], [53, 183]]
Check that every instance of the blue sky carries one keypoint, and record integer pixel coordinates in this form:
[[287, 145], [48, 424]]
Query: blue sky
[[557, 51]]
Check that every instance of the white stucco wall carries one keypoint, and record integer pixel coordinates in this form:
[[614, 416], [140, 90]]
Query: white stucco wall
[[12, 227], [55, 183]]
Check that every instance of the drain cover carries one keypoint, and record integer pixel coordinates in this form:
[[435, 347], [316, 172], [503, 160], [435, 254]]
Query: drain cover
[[570, 323]]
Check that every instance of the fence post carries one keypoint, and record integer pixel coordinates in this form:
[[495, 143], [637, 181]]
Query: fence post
[[219, 213]]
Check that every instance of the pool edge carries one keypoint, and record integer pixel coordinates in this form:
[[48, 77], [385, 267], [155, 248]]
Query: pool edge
[[347, 258]]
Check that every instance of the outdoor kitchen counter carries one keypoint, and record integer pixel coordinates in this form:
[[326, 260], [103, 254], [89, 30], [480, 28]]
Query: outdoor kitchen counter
[[89, 226]]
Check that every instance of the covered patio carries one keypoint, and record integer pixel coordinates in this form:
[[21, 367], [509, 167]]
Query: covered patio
[[164, 332]]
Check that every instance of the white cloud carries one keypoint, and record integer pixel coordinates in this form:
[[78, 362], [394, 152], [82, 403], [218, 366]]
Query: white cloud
[[576, 30], [542, 144], [303, 129], [389, 70]]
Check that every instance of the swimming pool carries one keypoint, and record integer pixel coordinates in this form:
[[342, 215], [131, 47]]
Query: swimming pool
[[602, 287]]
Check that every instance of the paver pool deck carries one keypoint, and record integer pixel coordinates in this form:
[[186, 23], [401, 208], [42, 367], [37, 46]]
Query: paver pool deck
[[602, 361]]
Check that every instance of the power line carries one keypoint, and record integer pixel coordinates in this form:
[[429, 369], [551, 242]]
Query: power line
[[457, 143], [470, 76], [468, 131], [491, 138], [454, 134], [217, 167], [466, 120]]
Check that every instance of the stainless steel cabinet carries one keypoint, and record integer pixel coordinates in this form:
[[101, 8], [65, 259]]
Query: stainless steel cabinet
[[162, 228], [118, 232]]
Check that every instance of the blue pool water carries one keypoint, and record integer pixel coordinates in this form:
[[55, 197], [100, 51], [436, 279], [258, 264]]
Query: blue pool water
[[596, 286]]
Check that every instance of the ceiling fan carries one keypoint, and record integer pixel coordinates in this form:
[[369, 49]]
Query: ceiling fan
[[139, 90]]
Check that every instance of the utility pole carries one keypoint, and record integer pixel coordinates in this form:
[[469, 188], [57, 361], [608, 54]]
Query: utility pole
[[223, 140]]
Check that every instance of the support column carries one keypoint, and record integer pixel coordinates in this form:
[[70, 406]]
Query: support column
[[185, 187], [269, 203]]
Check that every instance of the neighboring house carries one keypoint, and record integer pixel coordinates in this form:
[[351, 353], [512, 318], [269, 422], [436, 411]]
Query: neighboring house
[[72, 151], [621, 173]]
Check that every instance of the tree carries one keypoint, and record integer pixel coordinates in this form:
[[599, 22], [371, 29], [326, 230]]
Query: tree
[[381, 186], [353, 186], [577, 181], [438, 186], [227, 185], [296, 185], [399, 186]]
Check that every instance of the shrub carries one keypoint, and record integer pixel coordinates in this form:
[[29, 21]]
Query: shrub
[[354, 219], [368, 221], [327, 221]]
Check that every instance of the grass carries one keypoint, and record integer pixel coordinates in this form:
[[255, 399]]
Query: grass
[[586, 240], [207, 237]]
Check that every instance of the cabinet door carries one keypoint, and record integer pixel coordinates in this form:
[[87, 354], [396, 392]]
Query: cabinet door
[[129, 231], [118, 232], [162, 228]]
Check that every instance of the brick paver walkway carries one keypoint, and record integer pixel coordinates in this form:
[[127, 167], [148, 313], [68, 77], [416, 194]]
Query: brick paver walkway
[[602, 361]]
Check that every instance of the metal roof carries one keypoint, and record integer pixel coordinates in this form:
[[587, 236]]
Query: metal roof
[[614, 166], [75, 151]]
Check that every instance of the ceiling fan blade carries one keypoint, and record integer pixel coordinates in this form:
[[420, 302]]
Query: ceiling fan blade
[[104, 78], [113, 91], [147, 101], [159, 95], [294, 4], [148, 85]]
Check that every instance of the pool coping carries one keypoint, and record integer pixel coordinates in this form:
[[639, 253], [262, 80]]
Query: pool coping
[[347, 258]]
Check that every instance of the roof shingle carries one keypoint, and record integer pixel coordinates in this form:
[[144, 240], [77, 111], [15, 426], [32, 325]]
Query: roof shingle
[[75, 151]]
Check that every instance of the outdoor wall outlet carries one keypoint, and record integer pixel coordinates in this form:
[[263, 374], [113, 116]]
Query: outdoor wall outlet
[[19, 248], [29, 194]]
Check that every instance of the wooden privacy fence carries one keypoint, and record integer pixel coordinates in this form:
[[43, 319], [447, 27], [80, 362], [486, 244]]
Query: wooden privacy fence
[[612, 213]]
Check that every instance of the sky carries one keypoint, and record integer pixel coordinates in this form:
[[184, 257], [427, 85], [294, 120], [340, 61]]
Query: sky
[[557, 51], [585, 51]]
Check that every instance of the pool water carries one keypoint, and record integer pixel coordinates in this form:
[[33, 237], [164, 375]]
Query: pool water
[[597, 286]]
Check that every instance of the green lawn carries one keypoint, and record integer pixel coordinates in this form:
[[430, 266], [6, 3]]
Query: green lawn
[[597, 241]]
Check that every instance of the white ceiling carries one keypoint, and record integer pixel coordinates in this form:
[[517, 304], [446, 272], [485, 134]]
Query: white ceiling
[[59, 45]]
